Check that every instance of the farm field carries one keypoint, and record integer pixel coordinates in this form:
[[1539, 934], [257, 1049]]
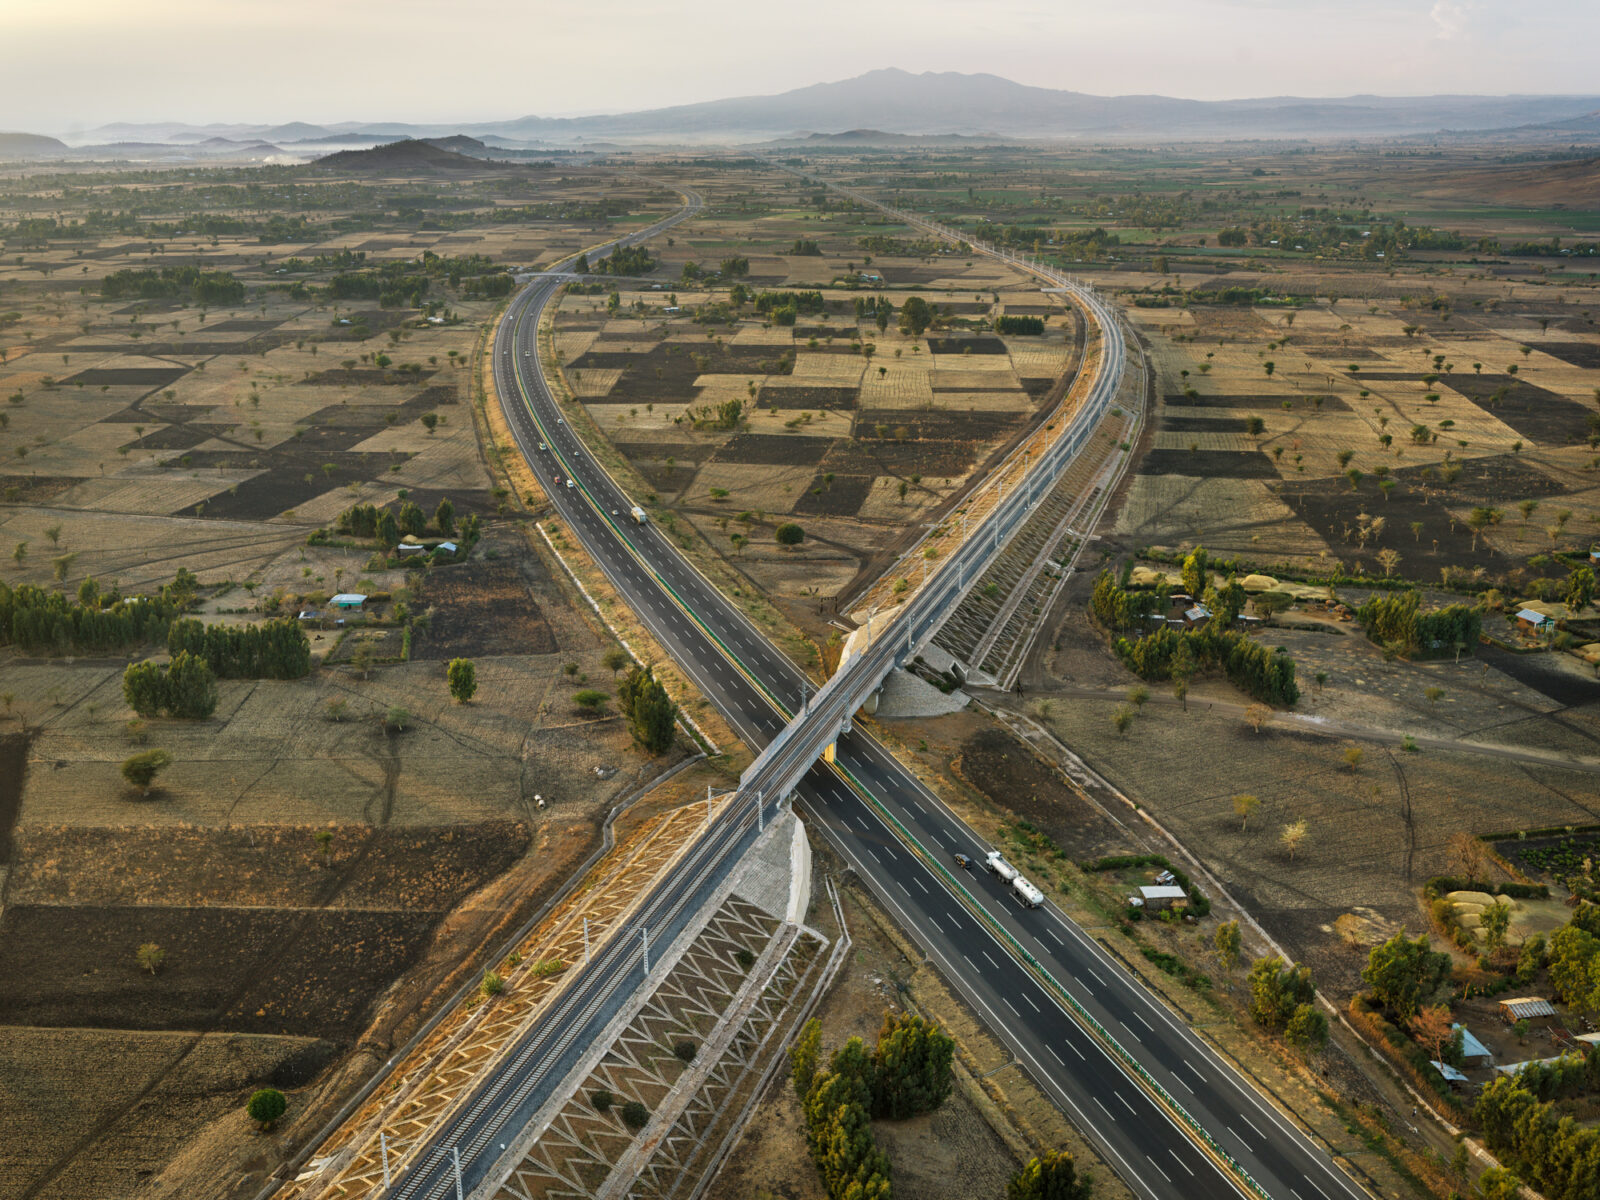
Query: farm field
[[326, 856], [736, 421]]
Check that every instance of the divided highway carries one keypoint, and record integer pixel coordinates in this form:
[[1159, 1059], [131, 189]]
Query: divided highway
[[875, 813]]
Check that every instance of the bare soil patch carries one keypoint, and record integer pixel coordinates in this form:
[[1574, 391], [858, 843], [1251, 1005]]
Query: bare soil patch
[[976, 344], [481, 609], [145, 377], [306, 973], [842, 497], [773, 449], [1230, 464], [428, 869], [999, 765]]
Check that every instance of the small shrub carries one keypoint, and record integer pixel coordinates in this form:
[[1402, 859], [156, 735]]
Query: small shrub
[[635, 1115], [266, 1106], [601, 1100], [684, 1050]]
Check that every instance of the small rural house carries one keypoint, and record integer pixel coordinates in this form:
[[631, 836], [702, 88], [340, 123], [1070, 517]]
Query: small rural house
[[1525, 1008], [1529, 621], [348, 601], [1159, 896]]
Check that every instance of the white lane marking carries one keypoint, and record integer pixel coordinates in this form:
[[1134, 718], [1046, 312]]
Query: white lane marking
[[1178, 1079], [1125, 1104], [1076, 1051], [1097, 978], [1056, 1056], [1252, 1125], [1195, 1069], [1242, 1142], [922, 885], [1029, 999], [1053, 934], [1183, 1164], [970, 963], [935, 924], [1159, 1171], [862, 821], [992, 962], [873, 851], [1104, 1109], [1010, 1005], [903, 888], [1143, 1022]]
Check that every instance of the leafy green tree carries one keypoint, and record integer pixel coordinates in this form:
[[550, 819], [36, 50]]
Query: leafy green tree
[[444, 516], [1277, 989], [915, 316], [150, 957], [1405, 973], [615, 659], [388, 529], [1495, 923], [804, 1057], [144, 687], [1580, 588], [1531, 958], [140, 770], [789, 534], [411, 519], [1196, 572], [912, 1066], [1051, 1176], [266, 1106], [651, 714], [1575, 966], [1307, 1029], [1228, 943], [462, 676], [191, 688]]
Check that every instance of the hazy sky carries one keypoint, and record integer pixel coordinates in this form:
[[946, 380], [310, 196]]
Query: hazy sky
[[75, 63]]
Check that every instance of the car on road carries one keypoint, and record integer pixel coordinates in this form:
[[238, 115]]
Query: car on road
[[570, 483], [963, 862], [542, 446]]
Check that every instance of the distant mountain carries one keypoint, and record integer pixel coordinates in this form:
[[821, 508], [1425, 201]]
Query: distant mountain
[[406, 155], [951, 103], [880, 105], [30, 145]]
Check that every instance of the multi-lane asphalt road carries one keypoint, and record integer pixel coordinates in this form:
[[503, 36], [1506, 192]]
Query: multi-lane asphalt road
[[857, 804]]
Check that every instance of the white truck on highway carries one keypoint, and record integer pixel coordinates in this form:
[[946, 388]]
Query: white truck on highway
[[639, 516], [1030, 896], [995, 863]]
